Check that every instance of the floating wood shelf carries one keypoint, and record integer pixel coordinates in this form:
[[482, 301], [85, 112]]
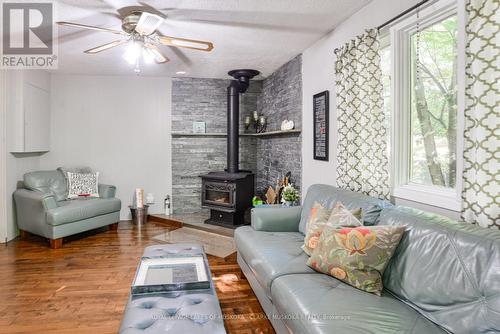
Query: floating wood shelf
[[221, 134], [273, 133], [180, 134]]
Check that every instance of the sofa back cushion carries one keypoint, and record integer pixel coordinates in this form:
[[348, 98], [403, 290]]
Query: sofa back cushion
[[47, 181], [449, 271], [328, 196]]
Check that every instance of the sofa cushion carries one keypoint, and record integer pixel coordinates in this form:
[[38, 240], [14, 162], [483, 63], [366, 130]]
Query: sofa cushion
[[47, 181], [322, 304], [271, 254], [328, 196], [75, 210], [448, 270]]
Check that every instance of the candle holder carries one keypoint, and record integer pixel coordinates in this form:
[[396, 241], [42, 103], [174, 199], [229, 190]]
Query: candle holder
[[259, 122], [247, 122]]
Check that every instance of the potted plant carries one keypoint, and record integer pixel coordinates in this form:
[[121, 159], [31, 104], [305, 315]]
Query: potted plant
[[289, 195]]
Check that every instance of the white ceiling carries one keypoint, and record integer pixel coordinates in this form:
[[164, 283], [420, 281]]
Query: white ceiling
[[258, 34]]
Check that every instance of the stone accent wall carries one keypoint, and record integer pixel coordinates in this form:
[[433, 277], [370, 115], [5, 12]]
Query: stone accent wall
[[281, 99], [278, 97], [205, 100], [281, 96]]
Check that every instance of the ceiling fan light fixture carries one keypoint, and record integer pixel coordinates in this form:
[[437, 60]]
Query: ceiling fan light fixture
[[140, 27], [133, 52], [148, 55]]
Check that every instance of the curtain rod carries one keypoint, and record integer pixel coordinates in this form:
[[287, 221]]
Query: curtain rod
[[402, 14], [397, 17]]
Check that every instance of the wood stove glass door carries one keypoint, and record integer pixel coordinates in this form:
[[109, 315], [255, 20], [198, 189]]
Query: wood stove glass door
[[218, 194]]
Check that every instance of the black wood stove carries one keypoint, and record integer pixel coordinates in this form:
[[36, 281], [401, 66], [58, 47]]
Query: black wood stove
[[228, 194]]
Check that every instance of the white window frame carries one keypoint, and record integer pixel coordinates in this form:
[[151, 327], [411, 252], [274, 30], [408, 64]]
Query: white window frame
[[447, 198]]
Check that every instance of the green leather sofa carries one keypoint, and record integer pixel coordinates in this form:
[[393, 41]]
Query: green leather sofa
[[444, 276], [42, 208]]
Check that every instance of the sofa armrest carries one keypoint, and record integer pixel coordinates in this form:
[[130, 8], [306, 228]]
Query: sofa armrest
[[25, 199], [106, 191], [276, 218], [31, 208]]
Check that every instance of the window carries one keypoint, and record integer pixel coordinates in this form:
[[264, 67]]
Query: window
[[426, 117], [433, 91]]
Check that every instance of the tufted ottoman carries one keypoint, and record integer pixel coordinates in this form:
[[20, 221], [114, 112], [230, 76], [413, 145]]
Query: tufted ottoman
[[174, 312]]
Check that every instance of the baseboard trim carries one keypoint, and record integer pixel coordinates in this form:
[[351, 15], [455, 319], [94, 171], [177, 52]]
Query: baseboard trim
[[165, 220]]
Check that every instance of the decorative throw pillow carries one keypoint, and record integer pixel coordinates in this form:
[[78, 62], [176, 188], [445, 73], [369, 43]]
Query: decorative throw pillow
[[66, 170], [83, 185], [341, 216], [321, 217], [356, 255]]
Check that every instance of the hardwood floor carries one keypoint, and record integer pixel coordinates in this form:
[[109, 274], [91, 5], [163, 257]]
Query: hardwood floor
[[83, 287]]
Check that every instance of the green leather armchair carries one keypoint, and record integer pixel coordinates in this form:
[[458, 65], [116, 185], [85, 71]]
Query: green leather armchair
[[42, 208]]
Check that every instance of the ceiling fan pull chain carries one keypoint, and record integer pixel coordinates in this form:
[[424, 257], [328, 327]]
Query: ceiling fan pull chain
[[137, 69]]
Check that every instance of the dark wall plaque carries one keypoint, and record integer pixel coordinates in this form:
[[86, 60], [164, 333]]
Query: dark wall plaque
[[320, 123]]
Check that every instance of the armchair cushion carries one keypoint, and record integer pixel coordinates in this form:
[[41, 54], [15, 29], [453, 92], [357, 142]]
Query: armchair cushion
[[75, 210], [47, 181]]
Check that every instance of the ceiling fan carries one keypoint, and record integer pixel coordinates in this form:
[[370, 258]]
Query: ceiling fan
[[139, 31]]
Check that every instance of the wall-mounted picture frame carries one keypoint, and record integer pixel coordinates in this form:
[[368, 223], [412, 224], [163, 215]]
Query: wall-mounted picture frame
[[199, 127], [321, 106]]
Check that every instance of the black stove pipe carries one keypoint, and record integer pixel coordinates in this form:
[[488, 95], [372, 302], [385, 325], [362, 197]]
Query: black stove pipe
[[237, 86]]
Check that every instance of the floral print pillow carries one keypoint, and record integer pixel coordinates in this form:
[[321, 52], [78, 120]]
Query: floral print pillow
[[320, 217], [356, 255]]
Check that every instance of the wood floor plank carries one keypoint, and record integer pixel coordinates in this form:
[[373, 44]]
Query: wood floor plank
[[83, 286]]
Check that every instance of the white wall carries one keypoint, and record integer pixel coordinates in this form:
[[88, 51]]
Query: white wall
[[119, 126], [3, 154], [15, 165], [318, 75]]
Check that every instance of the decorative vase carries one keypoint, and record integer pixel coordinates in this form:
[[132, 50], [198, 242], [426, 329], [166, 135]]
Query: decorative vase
[[288, 203]]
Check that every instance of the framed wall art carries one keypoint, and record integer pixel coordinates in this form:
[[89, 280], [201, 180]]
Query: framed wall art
[[320, 125]]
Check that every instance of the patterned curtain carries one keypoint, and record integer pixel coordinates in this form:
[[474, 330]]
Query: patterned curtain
[[482, 115], [362, 136]]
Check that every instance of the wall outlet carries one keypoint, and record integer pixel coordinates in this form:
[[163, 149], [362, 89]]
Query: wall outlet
[[150, 199]]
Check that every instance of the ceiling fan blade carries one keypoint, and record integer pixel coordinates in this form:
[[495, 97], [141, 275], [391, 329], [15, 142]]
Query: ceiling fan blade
[[186, 43], [84, 26], [105, 47], [160, 58]]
